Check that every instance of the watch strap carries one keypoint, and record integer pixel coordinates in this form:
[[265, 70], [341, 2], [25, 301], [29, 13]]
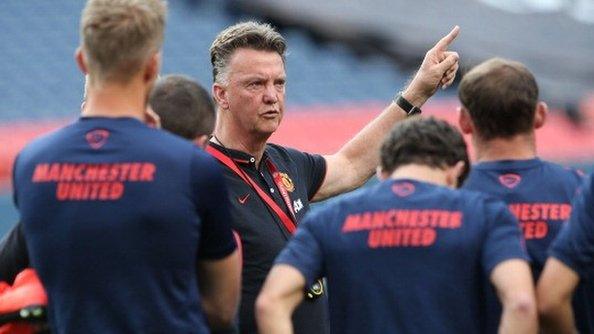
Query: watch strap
[[408, 107]]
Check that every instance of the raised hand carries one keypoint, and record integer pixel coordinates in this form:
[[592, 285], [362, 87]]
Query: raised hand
[[438, 68]]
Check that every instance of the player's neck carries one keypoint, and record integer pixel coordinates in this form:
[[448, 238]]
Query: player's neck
[[421, 173], [116, 100], [235, 140], [520, 147]]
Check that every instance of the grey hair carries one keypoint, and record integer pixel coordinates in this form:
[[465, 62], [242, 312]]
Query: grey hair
[[249, 35]]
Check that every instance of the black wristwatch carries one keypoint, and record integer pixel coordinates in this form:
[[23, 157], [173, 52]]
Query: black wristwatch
[[406, 106]]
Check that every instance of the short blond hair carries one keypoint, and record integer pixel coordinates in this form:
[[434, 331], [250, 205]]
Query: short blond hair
[[119, 36], [248, 35]]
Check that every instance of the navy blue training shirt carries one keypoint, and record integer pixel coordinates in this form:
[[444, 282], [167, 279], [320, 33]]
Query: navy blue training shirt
[[262, 233], [405, 256], [575, 248], [539, 194], [116, 216]]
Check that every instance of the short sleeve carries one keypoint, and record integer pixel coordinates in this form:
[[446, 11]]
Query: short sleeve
[[304, 252], [503, 240], [312, 167], [208, 185], [574, 245]]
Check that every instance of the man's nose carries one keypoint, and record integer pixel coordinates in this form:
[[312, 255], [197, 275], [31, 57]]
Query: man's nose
[[270, 94]]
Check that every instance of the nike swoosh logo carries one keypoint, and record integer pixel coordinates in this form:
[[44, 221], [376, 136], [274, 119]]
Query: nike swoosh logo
[[243, 199]]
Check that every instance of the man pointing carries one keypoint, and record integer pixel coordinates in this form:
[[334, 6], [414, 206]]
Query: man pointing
[[271, 186]]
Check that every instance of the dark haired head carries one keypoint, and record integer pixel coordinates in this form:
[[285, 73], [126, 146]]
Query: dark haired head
[[429, 142], [185, 107], [501, 97]]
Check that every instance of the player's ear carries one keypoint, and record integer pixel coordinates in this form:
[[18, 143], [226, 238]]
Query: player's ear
[[464, 120], [201, 141], [540, 115], [453, 174], [152, 68], [381, 173], [219, 93], [80, 60], [151, 118]]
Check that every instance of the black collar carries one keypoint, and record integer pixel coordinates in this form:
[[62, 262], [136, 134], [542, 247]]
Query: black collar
[[239, 157]]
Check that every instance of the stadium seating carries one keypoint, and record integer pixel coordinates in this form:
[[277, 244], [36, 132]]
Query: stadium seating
[[40, 78]]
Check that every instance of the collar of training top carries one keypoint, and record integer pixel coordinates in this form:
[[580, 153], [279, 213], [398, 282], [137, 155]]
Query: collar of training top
[[237, 156]]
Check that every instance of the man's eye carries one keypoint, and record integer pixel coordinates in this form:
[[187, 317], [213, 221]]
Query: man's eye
[[254, 84]]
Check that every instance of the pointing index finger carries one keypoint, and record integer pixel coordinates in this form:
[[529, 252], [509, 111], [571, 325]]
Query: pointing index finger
[[448, 39]]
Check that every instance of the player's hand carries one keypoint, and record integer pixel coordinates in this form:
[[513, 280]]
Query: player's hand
[[438, 69]]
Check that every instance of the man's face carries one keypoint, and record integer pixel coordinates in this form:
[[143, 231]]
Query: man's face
[[255, 91]]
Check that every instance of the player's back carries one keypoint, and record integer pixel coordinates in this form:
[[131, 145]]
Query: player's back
[[537, 192], [111, 219], [411, 257]]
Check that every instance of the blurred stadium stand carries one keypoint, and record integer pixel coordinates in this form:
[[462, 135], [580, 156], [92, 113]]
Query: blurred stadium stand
[[555, 39], [339, 76]]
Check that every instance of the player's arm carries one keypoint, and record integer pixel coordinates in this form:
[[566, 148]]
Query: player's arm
[[299, 264], [571, 255], [220, 285], [555, 289], [356, 161], [218, 262], [282, 292], [513, 282], [506, 264], [14, 256]]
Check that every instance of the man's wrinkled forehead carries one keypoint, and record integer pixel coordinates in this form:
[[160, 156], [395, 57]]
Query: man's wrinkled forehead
[[249, 62]]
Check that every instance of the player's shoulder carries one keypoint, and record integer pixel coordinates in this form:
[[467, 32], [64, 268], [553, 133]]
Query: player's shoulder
[[283, 152], [354, 201], [373, 197], [473, 200], [166, 137], [168, 144], [477, 174], [567, 173], [276, 147], [361, 196], [45, 143]]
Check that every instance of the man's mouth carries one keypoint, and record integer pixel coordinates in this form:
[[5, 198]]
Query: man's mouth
[[270, 114]]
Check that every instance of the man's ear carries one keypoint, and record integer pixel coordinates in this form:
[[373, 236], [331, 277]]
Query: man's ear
[[540, 115], [381, 173], [453, 174], [201, 141], [151, 118], [464, 121], [219, 93], [152, 68], [80, 60]]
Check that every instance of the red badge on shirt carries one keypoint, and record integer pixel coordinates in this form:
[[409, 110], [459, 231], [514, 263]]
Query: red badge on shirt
[[403, 189], [510, 180], [97, 138]]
